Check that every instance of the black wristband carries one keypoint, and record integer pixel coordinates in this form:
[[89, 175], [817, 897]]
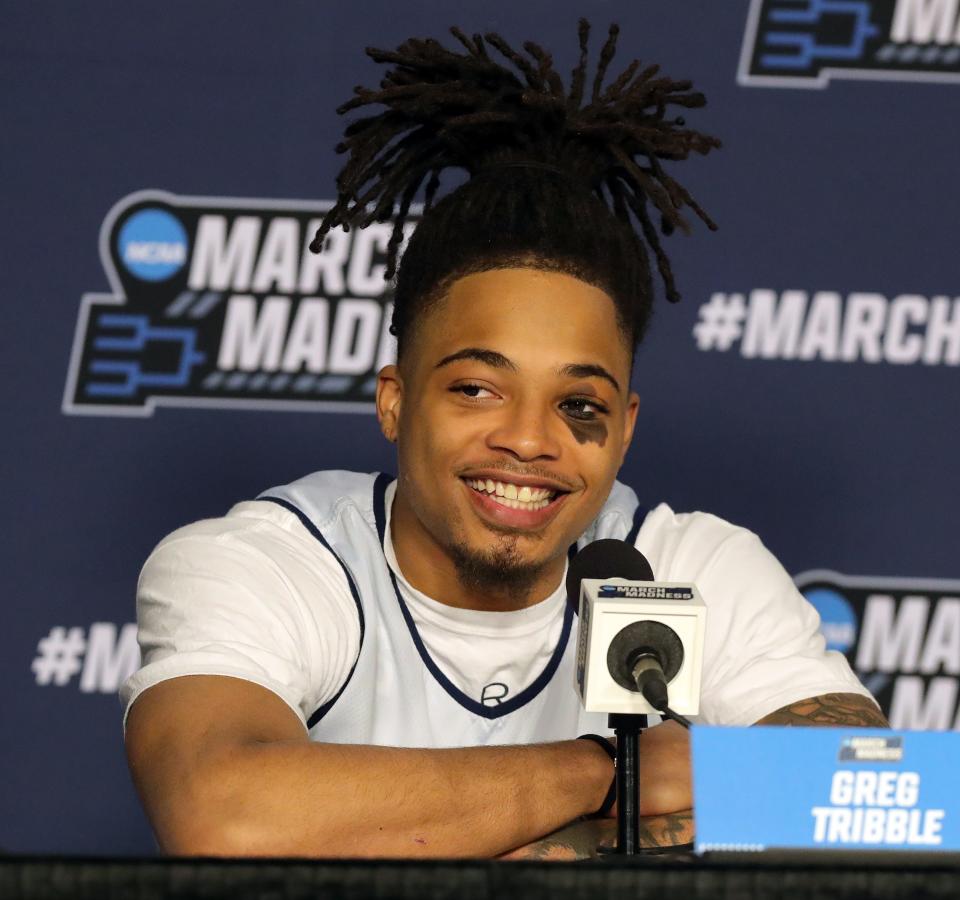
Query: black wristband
[[608, 801]]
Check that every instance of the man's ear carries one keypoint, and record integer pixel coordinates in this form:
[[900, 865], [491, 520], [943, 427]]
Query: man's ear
[[630, 420], [389, 394]]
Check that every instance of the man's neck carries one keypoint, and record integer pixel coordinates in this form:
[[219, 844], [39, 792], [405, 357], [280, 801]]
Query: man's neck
[[428, 567]]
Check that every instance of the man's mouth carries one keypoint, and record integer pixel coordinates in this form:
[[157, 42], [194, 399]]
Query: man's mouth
[[514, 496]]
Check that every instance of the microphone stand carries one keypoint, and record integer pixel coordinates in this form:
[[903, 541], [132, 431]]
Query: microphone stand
[[627, 727]]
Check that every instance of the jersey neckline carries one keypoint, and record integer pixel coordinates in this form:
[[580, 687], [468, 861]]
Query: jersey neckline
[[380, 486]]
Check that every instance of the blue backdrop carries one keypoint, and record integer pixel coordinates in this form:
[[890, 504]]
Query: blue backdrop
[[806, 386]]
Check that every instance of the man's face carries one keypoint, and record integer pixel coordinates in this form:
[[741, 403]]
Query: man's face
[[512, 414]]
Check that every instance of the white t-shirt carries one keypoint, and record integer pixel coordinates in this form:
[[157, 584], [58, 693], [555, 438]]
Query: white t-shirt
[[487, 655], [254, 595]]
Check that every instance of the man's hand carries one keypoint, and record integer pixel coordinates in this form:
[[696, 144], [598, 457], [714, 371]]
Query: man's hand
[[830, 709], [666, 783], [666, 796], [666, 751]]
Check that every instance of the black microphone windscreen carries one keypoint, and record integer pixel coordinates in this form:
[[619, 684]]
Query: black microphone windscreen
[[607, 558]]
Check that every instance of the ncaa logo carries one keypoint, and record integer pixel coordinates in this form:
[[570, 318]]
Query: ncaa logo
[[219, 302], [838, 622], [152, 244], [901, 637]]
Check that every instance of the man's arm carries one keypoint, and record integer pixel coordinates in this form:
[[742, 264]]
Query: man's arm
[[830, 709], [224, 767], [581, 839], [666, 818]]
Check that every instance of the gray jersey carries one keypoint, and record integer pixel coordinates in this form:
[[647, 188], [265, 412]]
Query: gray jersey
[[396, 694]]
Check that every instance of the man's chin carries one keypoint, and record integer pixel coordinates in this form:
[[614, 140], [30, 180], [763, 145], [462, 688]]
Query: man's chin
[[499, 568]]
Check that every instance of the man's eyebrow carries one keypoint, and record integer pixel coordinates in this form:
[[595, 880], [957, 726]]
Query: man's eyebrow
[[487, 357], [498, 361], [589, 370]]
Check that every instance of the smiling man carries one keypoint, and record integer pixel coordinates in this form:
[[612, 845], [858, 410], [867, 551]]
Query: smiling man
[[357, 665], [511, 444]]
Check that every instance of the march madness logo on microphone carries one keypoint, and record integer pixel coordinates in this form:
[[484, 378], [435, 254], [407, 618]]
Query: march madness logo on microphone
[[902, 638], [218, 302], [806, 43]]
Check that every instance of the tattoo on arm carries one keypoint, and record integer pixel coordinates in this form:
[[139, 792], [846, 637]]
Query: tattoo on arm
[[579, 840], [668, 830], [829, 709], [582, 839]]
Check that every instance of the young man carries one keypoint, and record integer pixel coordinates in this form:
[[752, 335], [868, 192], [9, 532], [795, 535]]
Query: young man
[[356, 665]]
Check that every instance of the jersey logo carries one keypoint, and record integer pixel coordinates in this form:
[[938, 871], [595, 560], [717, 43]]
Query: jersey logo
[[493, 694]]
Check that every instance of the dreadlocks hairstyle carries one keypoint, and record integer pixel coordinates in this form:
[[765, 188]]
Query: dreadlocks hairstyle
[[563, 180]]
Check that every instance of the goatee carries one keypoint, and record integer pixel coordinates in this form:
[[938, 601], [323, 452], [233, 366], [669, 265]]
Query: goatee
[[499, 570]]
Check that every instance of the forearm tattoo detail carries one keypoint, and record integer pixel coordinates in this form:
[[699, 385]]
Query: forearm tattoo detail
[[582, 840], [829, 709], [669, 830]]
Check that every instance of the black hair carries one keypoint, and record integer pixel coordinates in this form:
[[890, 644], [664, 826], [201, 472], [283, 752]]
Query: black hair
[[569, 181]]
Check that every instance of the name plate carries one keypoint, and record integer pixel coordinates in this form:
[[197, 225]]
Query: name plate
[[817, 788]]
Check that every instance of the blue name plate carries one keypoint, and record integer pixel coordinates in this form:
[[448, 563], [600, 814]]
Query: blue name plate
[[825, 788]]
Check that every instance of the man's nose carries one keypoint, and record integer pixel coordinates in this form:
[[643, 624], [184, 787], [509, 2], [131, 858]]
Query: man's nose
[[527, 431]]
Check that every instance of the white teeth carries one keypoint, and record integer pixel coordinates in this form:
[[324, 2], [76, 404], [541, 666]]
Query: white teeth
[[510, 495], [517, 504]]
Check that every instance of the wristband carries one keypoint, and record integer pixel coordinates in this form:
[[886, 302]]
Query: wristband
[[608, 801]]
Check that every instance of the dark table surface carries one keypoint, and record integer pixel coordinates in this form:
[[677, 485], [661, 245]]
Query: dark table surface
[[662, 877]]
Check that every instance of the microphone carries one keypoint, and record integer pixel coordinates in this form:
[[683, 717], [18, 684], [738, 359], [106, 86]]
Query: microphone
[[642, 653], [606, 558], [636, 636]]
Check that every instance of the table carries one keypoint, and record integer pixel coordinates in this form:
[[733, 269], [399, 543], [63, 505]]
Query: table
[[663, 878]]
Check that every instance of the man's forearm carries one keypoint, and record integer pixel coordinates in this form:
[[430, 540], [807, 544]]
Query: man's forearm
[[584, 840], [298, 798], [830, 709], [224, 768]]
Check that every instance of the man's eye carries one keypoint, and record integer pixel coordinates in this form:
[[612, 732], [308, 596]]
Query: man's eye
[[583, 409], [474, 391]]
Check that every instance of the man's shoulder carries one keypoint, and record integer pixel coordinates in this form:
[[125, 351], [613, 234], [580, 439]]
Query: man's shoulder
[[289, 514], [679, 544], [662, 520], [321, 498], [336, 483], [253, 535], [695, 525]]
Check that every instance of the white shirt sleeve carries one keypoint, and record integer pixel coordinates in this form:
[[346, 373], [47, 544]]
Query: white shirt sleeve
[[763, 647], [252, 595]]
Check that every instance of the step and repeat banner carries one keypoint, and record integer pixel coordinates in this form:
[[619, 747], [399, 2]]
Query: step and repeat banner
[[171, 347]]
